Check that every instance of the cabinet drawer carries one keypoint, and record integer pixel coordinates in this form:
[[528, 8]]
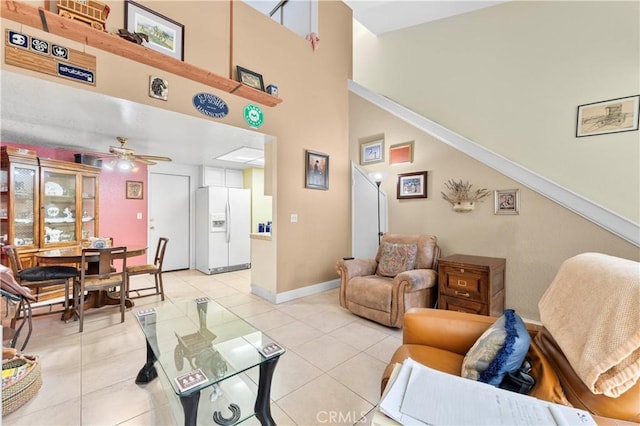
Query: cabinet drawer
[[460, 282], [463, 305]]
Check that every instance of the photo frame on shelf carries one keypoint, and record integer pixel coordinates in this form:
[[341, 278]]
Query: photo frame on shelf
[[135, 190], [506, 201], [401, 153], [371, 152], [250, 78], [165, 35], [612, 116], [316, 170], [412, 185]]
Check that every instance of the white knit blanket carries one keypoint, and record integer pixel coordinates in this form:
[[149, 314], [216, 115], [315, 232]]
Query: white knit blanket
[[592, 309]]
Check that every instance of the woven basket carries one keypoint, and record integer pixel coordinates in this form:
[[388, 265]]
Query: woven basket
[[21, 380]]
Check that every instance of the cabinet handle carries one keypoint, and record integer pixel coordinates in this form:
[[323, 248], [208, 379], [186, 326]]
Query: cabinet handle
[[462, 283], [462, 293], [462, 270]]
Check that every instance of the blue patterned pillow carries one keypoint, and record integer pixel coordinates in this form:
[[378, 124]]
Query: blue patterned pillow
[[500, 349]]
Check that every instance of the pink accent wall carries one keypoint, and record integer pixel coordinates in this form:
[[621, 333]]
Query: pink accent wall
[[117, 214]]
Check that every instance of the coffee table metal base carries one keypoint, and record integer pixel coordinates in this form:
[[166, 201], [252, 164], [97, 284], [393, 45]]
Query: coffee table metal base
[[190, 402]]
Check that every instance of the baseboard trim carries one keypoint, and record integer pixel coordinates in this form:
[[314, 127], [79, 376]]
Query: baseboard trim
[[601, 216], [286, 296]]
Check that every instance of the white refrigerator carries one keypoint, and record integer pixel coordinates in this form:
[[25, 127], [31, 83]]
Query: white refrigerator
[[223, 225]]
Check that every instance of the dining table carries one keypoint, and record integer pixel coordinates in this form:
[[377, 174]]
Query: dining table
[[73, 255]]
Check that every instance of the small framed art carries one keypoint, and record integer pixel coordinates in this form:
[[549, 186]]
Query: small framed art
[[612, 116], [401, 153], [507, 201], [134, 190], [371, 152], [412, 185], [250, 78], [165, 35], [316, 170]]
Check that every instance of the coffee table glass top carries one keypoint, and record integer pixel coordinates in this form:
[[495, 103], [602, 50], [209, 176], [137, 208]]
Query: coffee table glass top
[[200, 336]]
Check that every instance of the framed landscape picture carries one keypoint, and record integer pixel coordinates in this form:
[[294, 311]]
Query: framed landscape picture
[[165, 35], [412, 185]]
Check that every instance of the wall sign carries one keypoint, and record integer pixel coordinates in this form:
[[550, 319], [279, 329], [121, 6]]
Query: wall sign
[[33, 53], [210, 105], [253, 115]]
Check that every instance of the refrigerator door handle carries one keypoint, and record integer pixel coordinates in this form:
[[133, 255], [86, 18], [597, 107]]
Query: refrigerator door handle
[[228, 211]]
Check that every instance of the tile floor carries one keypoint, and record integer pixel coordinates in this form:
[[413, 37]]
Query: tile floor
[[330, 373]]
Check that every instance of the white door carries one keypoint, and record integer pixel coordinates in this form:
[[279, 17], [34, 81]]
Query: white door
[[169, 201], [364, 204]]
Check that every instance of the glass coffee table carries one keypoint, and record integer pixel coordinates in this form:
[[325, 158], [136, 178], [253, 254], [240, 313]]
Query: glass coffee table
[[201, 346]]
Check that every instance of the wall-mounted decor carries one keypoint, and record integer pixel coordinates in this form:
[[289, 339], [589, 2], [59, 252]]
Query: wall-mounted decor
[[250, 78], [253, 115], [401, 153], [612, 116], [165, 35], [371, 152], [210, 105], [316, 170], [158, 88], [462, 196], [134, 190], [507, 201], [412, 185]]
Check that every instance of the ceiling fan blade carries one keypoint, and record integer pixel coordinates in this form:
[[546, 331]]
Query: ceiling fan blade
[[152, 157], [145, 161]]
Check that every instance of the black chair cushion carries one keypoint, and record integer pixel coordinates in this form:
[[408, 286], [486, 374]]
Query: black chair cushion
[[44, 273]]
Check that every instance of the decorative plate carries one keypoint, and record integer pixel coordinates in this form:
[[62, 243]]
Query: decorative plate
[[52, 188]]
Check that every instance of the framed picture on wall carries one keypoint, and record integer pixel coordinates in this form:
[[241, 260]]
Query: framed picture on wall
[[401, 153], [612, 116], [134, 190], [506, 201], [371, 152], [316, 170], [412, 185]]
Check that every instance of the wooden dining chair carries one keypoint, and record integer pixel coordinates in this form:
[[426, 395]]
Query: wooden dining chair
[[154, 269], [41, 278], [103, 279]]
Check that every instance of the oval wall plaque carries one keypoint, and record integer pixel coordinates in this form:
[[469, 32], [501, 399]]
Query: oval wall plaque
[[210, 105]]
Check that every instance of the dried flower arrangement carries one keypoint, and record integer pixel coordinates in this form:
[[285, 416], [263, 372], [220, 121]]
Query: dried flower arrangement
[[461, 195]]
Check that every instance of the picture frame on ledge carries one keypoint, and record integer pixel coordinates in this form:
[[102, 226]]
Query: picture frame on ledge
[[412, 185], [135, 190], [316, 170], [165, 35], [506, 201], [250, 78]]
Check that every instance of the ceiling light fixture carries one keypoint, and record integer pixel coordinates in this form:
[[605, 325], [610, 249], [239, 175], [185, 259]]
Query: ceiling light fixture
[[244, 155]]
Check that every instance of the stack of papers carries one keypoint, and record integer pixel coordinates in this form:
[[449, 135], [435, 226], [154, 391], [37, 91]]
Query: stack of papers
[[417, 394]]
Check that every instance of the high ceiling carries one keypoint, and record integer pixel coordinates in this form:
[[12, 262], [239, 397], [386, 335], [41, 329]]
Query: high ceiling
[[37, 112]]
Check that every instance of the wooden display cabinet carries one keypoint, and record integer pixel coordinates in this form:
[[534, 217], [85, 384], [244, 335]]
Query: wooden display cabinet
[[19, 200], [472, 284], [69, 203]]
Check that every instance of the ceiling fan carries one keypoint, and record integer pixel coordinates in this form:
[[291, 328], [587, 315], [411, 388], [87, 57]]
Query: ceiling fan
[[126, 157]]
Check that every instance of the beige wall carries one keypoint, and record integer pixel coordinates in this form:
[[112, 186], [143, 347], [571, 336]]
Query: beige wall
[[313, 115], [261, 205], [510, 77], [534, 242]]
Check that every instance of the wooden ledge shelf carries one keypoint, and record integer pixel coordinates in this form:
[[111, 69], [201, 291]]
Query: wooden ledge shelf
[[50, 22]]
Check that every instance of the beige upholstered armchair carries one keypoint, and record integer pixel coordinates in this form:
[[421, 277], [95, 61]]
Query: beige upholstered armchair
[[402, 276]]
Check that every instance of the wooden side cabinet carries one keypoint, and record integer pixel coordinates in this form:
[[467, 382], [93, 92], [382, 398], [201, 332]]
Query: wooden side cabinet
[[472, 284]]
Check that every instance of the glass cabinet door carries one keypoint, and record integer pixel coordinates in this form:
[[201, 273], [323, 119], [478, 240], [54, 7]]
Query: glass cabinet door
[[89, 207], [23, 182], [59, 207]]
